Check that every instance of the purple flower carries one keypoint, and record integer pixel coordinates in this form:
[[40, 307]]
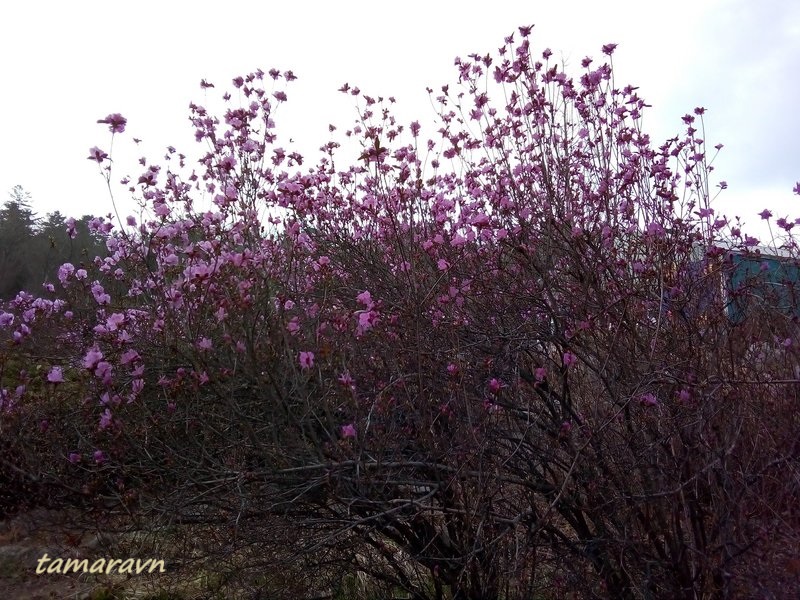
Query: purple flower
[[114, 321], [97, 155], [105, 419], [115, 121], [765, 214], [55, 375], [103, 371], [609, 49], [99, 294], [365, 298], [655, 229], [306, 360], [293, 327], [348, 431], [74, 458], [648, 399], [64, 271], [99, 457], [569, 359], [91, 359]]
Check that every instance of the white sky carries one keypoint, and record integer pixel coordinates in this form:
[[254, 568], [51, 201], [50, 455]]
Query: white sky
[[63, 65]]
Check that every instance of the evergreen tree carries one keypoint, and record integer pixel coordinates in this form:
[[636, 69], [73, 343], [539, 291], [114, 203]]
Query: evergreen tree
[[18, 227]]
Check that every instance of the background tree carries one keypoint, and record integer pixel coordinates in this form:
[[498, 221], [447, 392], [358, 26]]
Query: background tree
[[17, 229]]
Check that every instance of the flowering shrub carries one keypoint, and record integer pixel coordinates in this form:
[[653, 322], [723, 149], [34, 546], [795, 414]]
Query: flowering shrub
[[481, 365]]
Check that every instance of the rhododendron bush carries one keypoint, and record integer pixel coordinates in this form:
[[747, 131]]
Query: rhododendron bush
[[493, 359]]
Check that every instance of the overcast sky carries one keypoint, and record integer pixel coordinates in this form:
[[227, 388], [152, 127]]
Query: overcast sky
[[63, 65]]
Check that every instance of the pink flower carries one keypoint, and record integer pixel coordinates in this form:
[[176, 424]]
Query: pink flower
[[494, 385], [99, 294], [452, 369], [128, 356], [204, 344], [64, 271], [91, 359], [366, 319], [55, 375], [114, 321], [103, 371], [442, 264], [97, 155], [345, 379], [569, 359], [609, 49], [115, 121], [293, 326], [105, 419], [648, 399], [348, 431], [655, 229], [306, 360], [366, 299]]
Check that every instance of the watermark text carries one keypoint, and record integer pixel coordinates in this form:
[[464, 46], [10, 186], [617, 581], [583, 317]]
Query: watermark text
[[131, 566]]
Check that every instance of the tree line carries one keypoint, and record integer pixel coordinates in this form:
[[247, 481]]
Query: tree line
[[32, 247]]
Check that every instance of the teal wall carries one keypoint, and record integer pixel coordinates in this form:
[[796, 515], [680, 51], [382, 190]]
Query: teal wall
[[772, 280]]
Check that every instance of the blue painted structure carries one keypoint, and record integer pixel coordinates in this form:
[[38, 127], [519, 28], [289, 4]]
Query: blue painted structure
[[762, 278]]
